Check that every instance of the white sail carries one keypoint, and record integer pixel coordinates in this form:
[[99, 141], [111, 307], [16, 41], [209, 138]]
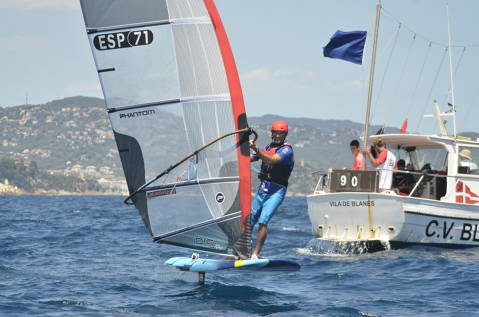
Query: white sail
[[166, 65]]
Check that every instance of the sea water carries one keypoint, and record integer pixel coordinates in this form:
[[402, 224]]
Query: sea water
[[92, 256]]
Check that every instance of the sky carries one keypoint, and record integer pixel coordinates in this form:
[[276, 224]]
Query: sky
[[277, 44]]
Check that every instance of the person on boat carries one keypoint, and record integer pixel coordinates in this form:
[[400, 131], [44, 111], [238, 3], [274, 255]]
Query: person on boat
[[384, 163], [465, 160], [359, 161], [403, 181], [277, 162]]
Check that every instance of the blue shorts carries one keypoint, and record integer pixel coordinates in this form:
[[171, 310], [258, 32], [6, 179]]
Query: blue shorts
[[264, 206]]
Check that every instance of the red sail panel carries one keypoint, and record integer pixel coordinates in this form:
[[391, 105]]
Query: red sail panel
[[239, 112]]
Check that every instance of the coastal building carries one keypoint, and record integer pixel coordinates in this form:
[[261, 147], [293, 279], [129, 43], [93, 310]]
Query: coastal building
[[90, 170], [114, 185], [105, 170], [77, 169], [6, 188]]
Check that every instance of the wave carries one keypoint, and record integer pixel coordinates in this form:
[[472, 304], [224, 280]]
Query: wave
[[292, 229]]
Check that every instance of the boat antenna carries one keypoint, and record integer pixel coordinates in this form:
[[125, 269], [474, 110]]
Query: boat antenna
[[451, 73], [371, 72]]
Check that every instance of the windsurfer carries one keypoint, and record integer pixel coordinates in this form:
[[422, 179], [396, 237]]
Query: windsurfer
[[277, 164]]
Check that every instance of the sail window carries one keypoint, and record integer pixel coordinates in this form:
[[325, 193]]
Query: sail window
[[180, 9], [107, 13], [142, 74]]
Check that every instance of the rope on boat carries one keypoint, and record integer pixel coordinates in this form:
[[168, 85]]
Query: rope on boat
[[432, 88], [403, 71], [383, 79], [418, 82], [469, 108], [444, 99]]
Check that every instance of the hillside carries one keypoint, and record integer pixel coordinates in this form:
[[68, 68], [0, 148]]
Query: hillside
[[17, 176], [72, 136]]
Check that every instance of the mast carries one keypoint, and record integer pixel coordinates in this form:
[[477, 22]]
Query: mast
[[451, 73], [371, 72]]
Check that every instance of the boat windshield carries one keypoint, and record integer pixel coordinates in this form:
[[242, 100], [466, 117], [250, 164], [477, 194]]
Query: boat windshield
[[420, 159]]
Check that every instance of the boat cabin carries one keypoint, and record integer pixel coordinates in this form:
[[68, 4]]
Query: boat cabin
[[432, 167]]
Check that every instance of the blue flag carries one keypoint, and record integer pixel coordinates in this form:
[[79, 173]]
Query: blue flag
[[348, 46]]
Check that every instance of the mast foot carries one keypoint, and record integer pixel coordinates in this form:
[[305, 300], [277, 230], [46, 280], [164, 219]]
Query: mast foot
[[201, 278]]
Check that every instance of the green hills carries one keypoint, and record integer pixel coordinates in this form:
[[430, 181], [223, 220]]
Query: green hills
[[72, 138]]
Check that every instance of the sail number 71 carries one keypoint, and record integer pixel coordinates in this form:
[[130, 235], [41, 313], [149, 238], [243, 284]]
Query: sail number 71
[[109, 41]]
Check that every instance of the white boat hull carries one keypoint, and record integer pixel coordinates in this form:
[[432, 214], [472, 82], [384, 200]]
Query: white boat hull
[[399, 220]]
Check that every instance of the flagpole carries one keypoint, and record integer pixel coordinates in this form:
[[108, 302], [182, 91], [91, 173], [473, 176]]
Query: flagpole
[[371, 72]]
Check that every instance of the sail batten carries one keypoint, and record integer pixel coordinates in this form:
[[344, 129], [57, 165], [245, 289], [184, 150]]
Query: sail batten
[[151, 23], [168, 102], [127, 26], [192, 183], [199, 225], [166, 65]]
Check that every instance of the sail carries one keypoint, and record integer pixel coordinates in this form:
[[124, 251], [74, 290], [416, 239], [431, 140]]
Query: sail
[[170, 82]]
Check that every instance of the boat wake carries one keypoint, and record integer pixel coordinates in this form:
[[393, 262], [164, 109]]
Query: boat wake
[[310, 252], [322, 247], [292, 229]]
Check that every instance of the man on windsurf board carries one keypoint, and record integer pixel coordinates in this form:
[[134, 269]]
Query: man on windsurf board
[[277, 162]]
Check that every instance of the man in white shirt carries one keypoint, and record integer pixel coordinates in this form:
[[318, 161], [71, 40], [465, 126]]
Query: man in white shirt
[[384, 163]]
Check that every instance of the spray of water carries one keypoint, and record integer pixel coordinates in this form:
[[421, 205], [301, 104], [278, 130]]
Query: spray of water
[[344, 248]]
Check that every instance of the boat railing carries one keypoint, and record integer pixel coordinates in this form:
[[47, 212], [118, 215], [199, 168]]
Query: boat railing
[[343, 180], [438, 181], [322, 181], [424, 184]]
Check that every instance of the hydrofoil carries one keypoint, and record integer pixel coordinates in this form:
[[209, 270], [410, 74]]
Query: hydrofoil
[[202, 266]]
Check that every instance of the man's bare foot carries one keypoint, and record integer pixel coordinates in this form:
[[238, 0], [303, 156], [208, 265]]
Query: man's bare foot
[[254, 256]]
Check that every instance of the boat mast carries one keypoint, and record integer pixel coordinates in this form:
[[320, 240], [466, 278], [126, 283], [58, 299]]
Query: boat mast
[[451, 73], [371, 72]]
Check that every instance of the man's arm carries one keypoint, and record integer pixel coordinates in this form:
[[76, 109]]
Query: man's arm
[[375, 162], [265, 157]]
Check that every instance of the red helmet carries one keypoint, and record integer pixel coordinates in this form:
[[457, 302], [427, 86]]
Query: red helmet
[[280, 126]]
